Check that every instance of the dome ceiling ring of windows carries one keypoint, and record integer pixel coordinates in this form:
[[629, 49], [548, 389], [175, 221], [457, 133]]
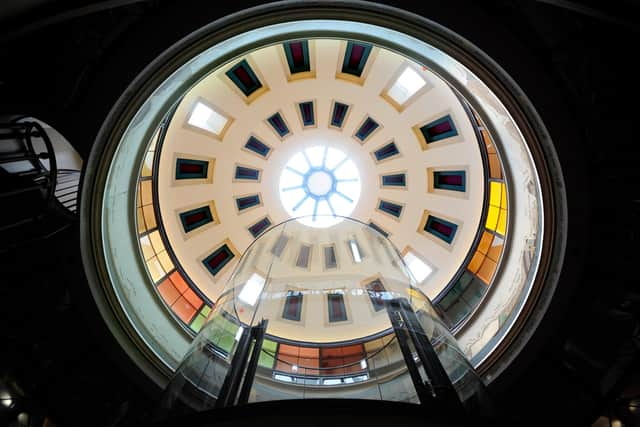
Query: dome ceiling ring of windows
[[111, 242]]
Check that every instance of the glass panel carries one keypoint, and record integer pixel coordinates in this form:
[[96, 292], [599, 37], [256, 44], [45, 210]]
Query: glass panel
[[358, 330]]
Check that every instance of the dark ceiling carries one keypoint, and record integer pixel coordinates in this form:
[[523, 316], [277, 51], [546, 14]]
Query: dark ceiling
[[56, 354]]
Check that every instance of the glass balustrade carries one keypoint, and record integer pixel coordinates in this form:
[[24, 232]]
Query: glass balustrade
[[323, 313]]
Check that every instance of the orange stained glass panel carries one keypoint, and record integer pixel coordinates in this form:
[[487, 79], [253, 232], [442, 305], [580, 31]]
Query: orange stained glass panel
[[309, 352], [309, 363], [356, 349], [491, 149], [309, 371], [353, 359], [335, 371], [485, 242], [289, 350], [476, 262], [352, 369], [285, 363], [178, 282], [281, 366], [168, 292], [495, 168], [183, 309], [193, 298], [486, 271], [288, 358], [331, 352], [496, 248]]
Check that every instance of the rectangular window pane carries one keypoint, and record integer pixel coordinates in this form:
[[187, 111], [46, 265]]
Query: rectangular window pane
[[279, 246], [449, 180], [394, 180], [366, 129], [439, 129], [195, 218], [355, 58], [297, 53], [386, 152], [330, 260], [246, 173], [390, 208], [218, 259], [259, 227], [441, 228], [247, 202], [337, 308], [278, 124], [304, 256], [191, 169], [257, 146], [339, 114], [293, 306], [244, 78]]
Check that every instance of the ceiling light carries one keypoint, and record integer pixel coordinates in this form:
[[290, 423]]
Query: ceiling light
[[406, 86], [208, 119]]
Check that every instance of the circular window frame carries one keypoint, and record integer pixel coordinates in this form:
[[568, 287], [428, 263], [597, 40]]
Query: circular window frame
[[152, 81]]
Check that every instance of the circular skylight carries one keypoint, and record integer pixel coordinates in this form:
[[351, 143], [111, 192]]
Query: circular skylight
[[320, 184]]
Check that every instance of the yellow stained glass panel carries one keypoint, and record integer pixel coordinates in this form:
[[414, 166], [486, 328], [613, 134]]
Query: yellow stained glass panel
[[492, 218], [156, 241], [149, 217], [141, 226], [147, 166], [502, 222], [145, 192], [495, 193], [503, 202]]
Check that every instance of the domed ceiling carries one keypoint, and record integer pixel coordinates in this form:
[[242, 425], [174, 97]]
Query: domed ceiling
[[321, 127]]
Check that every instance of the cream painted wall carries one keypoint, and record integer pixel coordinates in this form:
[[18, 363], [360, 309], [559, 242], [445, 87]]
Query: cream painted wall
[[283, 96]]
